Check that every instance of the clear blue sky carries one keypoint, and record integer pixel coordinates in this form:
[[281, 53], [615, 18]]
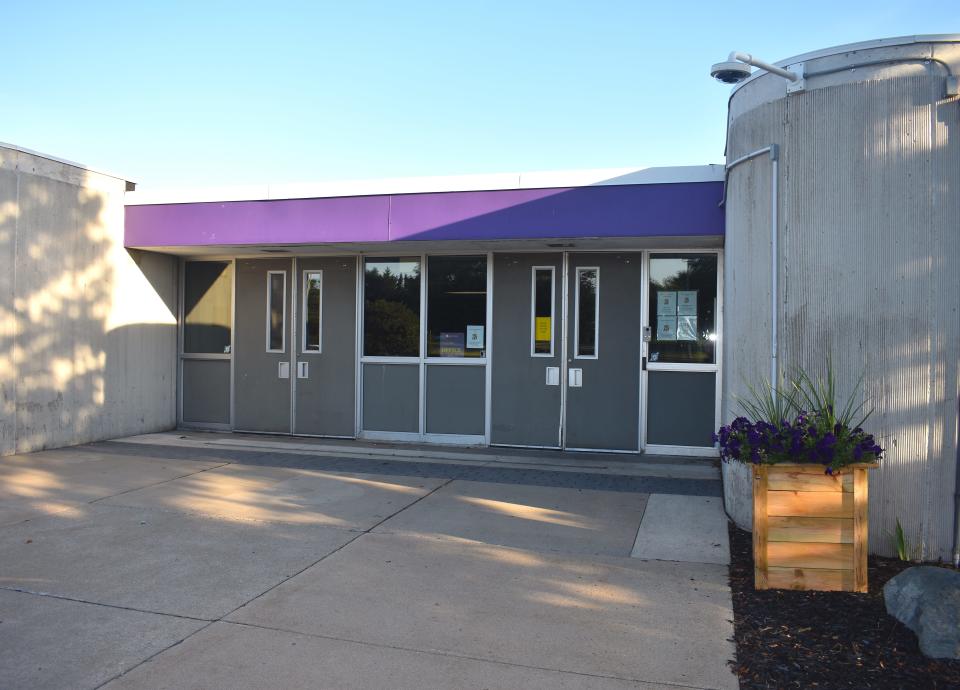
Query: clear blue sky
[[210, 93]]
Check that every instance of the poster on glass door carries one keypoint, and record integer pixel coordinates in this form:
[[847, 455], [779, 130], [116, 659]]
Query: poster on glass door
[[676, 315]]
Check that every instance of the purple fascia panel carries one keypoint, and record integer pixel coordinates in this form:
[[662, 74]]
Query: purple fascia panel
[[287, 221], [604, 211]]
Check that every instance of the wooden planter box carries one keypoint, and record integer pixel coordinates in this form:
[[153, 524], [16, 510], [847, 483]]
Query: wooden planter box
[[810, 528]]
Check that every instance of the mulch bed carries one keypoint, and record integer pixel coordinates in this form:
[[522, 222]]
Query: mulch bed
[[790, 639]]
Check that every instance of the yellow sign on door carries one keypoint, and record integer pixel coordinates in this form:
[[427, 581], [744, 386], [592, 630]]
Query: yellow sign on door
[[542, 328]]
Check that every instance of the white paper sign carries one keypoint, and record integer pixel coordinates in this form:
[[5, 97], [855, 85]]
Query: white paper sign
[[686, 328], [666, 328], [687, 303], [666, 303], [475, 340]]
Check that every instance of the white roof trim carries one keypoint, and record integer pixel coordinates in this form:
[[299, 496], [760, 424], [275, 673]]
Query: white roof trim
[[64, 161], [423, 185], [853, 47]]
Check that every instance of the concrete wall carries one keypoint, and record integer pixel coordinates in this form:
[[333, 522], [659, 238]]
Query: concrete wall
[[87, 329], [868, 273]]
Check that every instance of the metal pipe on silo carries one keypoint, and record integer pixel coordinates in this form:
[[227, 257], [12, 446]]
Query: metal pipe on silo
[[774, 151]]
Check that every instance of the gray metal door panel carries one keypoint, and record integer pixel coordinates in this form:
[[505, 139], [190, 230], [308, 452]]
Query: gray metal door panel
[[325, 398], [456, 400], [604, 412], [525, 411], [391, 397], [262, 398], [681, 408]]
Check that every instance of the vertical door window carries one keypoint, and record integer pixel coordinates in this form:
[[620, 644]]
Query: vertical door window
[[543, 297], [391, 307], [312, 305], [456, 306], [683, 308], [587, 317], [207, 307], [276, 311]]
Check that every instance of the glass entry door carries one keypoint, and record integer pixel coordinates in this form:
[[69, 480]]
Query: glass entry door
[[683, 355]]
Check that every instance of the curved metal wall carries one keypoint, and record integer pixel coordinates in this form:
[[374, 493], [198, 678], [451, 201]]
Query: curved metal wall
[[869, 265]]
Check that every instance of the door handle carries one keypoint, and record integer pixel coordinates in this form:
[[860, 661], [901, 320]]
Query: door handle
[[303, 370], [283, 370], [575, 378], [553, 376]]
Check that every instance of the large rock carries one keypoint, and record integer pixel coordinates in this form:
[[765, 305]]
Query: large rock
[[927, 600]]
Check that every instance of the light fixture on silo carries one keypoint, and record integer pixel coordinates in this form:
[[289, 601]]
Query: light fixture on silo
[[736, 69]]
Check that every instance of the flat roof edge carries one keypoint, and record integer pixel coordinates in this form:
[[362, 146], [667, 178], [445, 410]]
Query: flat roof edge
[[433, 185], [64, 161]]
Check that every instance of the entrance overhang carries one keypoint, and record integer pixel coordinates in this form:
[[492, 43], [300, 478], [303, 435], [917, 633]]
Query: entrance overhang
[[678, 207]]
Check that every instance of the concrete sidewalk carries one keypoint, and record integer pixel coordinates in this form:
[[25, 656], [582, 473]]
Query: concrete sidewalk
[[622, 464], [197, 567]]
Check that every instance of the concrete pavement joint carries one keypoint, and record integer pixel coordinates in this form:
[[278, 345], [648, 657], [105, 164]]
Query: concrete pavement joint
[[47, 513], [162, 481], [121, 493], [109, 606], [453, 655], [153, 656], [269, 589], [222, 518]]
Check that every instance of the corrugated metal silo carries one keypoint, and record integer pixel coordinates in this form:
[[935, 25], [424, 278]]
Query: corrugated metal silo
[[868, 267]]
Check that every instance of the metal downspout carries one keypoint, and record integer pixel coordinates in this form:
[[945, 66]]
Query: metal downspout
[[774, 151], [956, 500]]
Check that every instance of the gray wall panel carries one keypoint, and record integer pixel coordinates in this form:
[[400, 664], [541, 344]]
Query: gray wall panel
[[456, 400], [681, 408], [391, 397], [869, 201], [206, 391]]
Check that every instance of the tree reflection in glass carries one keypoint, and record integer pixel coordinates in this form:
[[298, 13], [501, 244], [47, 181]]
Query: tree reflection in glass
[[391, 310]]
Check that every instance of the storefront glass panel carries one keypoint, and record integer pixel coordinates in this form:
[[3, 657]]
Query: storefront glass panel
[[391, 312], [456, 306]]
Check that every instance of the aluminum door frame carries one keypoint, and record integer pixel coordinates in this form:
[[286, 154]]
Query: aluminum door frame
[[181, 355], [716, 367], [422, 361]]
